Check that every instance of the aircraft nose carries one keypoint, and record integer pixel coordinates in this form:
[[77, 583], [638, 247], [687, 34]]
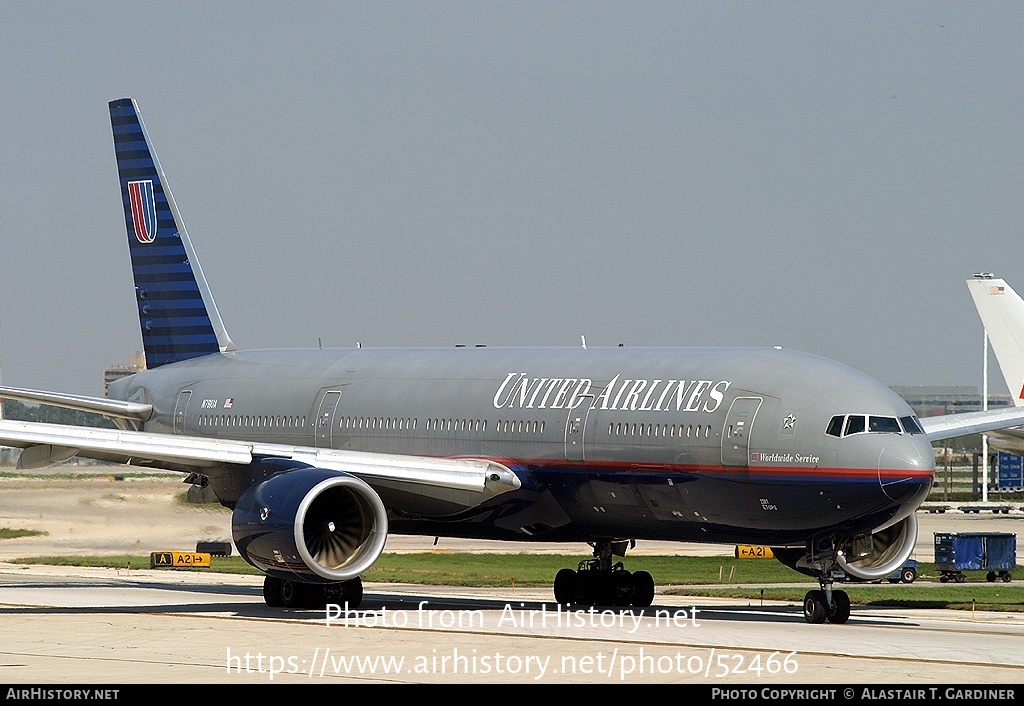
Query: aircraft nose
[[906, 469]]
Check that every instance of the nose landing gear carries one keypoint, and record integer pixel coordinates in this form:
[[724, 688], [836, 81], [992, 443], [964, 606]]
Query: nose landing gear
[[826, 604]]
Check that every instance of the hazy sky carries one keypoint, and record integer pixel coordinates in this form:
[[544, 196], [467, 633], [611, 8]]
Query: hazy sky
[[817, 175]]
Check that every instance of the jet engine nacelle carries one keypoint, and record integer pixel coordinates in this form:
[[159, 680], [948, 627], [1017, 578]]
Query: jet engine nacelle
[[311, 525], [869, 556], [877, 554]]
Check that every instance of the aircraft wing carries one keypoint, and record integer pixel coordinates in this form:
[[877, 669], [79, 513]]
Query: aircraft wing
[[130, 415], [948, 426], [456, 482]]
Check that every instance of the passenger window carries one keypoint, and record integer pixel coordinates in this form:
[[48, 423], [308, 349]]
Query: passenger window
[[854, 424], [835, 426]]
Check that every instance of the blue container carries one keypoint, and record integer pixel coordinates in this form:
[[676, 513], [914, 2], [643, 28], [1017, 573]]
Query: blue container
[[975, 551]]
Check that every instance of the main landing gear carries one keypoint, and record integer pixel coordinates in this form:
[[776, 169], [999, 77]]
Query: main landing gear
[[598, 581], [826, 604], [286, 593]]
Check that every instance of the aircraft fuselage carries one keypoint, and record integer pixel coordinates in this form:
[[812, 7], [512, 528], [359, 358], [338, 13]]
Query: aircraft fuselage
[[710, 445]]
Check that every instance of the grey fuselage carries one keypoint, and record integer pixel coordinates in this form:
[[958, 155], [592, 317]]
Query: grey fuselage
[[712, 445]]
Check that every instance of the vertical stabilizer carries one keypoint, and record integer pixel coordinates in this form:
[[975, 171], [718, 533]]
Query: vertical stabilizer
[[1002, 313], [177, 314]]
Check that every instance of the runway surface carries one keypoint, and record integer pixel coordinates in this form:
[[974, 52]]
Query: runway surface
[[106, 626]]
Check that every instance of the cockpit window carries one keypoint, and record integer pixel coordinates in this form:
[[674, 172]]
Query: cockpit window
[[884, 424], [854, 424], [845, 425], [911, 425]]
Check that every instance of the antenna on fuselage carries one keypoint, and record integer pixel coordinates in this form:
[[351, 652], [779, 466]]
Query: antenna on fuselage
[[583, 340]]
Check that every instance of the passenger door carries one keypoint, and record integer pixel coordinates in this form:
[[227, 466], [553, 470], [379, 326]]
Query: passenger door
[[739, 425]]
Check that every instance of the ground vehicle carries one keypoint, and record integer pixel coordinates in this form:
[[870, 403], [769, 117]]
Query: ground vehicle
[[994, 552], [905, 574], [908, 574]]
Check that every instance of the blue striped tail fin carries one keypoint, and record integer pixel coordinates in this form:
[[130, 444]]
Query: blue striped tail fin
[[177, 314]]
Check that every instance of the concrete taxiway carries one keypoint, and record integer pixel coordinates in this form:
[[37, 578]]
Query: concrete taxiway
[[142, 626]]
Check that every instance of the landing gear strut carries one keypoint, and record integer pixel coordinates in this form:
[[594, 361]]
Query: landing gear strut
[[598, 581], [286, 593]]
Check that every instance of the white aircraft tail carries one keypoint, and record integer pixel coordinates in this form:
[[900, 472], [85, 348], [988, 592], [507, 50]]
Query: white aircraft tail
[[1002, 313]]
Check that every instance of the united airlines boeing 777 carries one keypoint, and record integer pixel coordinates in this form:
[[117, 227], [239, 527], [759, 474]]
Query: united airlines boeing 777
[[321, 453]]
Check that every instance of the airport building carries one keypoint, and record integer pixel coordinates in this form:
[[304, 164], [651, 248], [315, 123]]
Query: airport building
[[137, 364]]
